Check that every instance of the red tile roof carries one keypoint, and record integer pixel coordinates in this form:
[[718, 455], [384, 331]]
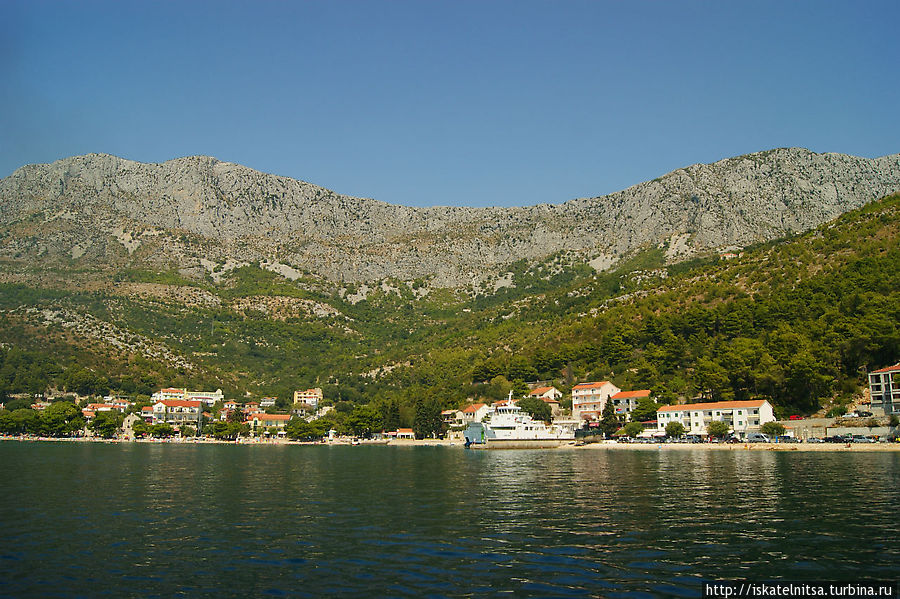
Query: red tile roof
[[595, 385], [273, 417], [473, 408], [541, 390], [893, 368], [719, 405], [179, 403], [632, 394]]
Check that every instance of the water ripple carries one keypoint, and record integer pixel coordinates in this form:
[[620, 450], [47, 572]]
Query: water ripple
[[158, 521]]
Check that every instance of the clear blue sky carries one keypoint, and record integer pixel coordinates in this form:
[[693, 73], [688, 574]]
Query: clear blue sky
[[431, 102]]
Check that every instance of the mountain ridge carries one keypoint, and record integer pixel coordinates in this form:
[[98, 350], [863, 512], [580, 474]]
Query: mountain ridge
[[202, 216]]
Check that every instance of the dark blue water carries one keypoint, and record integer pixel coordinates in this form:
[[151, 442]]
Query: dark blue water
[[225, 521]]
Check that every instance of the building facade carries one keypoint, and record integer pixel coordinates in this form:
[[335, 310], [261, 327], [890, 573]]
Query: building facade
[[312, 397], [207, 397], [626, 401], [742, 417], [589, 399], [177, 413], [884, 388], [475, 412], [261, 422], [546, 393]]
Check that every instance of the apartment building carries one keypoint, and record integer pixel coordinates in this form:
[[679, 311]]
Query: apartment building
[[741, 416]]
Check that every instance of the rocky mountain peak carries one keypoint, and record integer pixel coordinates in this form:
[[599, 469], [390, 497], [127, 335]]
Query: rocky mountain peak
[[198, 213]]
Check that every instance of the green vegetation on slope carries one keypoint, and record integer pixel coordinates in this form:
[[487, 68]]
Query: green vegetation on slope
[[793, 321]]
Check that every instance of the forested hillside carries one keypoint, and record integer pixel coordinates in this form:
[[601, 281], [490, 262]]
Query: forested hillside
[[797, 321]]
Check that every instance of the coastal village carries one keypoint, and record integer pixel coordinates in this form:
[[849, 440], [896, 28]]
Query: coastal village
[[594, 411]]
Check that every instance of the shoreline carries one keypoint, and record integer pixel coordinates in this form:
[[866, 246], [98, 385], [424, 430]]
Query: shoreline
[[801, 447]]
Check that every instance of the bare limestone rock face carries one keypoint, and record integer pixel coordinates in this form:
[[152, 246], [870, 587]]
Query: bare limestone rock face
[[200, 215]]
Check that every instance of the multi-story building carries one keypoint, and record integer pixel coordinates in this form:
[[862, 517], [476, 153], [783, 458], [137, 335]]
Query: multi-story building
[[884, 388], [207, 397], [741, 416], [311, 396], [626, 401], [176, 412], [589, 399]]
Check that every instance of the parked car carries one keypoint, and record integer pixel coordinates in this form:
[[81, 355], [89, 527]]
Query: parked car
[[787, 439], [863, 414], [814, 440], [862, 439], [796, 417], [758, 438]]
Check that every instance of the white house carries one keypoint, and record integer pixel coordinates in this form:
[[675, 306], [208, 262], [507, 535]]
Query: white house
[[589, 399], [405, 433], [475, 412], [626, 401], [884, 388], [545, 393], [176, 412], [452, 417], [207, 397], [260, 422], [741, 416]]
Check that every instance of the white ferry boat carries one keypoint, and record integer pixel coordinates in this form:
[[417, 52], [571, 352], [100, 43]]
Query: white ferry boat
[[508, 425]]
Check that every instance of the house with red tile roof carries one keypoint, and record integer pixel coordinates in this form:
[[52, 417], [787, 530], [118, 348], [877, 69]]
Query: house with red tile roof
[[177, 413], [589, 399], [884, 389], [475, 412], [405, 433], [260, 422], [546, 393], [251, 408], [207, 397], [312, 397], [742, 417], [626, 401]]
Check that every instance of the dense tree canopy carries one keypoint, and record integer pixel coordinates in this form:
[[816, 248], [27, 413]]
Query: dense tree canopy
[[797, 322]]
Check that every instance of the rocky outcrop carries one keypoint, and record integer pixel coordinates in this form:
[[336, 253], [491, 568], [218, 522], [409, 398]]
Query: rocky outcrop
[[199, 214]]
